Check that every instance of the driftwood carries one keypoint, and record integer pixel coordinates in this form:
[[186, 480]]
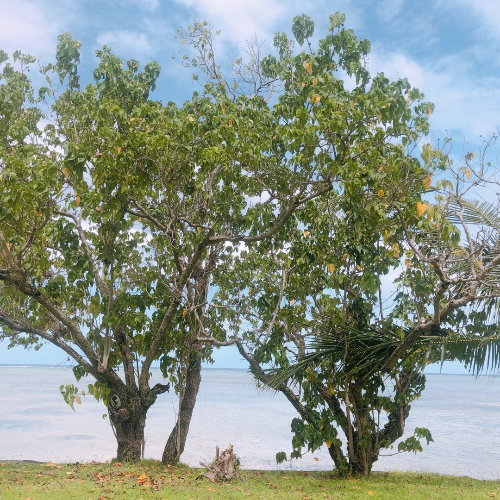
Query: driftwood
[[224, 467]]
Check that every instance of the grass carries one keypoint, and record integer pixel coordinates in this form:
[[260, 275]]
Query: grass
[[153, 480]]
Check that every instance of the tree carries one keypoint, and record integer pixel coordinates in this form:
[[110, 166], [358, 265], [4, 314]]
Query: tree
[[317, 287], [114, 215]]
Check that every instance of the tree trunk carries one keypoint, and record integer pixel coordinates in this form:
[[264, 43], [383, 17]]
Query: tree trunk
[[128, 418], [177, 439]]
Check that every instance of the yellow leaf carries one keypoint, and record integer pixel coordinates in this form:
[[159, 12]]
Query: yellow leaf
[[421, 208], [291, 302], [328, 443], [331, 268], [371, 493], [427, 182], [306, 233], [308, 67], [198, 229], [358, 267], [83, 392], [50, 464], [98, 209], [314, 81], [381, 193], [250, 290], [304, 84], [223, 107], [479, 263], [316, 458], [118, 149], [344, 256], [315, 99], [78, 400], [190, 118], [408, 262], [77, 201], [467, 174], [379, 117], [66, 172], [184, 312], [230, 123]]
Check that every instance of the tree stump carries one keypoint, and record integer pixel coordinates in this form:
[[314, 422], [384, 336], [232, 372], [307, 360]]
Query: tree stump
[[224, 467]]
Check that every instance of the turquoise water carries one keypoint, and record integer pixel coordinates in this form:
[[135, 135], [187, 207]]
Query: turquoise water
[[462, 412]]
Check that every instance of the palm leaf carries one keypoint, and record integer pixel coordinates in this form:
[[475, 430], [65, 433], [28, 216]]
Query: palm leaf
[[367, 352], [474, 212]]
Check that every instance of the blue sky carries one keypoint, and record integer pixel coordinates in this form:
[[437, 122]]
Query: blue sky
[[446, 48]]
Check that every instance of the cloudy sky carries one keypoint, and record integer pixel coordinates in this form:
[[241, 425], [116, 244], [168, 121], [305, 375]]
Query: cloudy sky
[[446, 48]]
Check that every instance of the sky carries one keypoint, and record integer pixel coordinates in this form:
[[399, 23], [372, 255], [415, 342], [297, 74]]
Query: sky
[[446, 48]]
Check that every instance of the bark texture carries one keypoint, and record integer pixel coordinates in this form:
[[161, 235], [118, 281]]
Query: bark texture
[[128, 417], [177, 439]]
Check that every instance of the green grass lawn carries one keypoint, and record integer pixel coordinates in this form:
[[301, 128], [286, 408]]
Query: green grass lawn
[[153, 480]]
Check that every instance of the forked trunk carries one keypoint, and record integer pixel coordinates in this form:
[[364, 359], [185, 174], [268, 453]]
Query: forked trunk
[[177, 439]]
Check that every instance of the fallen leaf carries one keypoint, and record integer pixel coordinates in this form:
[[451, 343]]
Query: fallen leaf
[[50, 464]]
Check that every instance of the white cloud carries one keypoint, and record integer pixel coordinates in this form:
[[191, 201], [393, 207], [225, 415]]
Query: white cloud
[[487, 10], [387, 10], [241, 20], [26, 26], [462, 102], [127, 42]]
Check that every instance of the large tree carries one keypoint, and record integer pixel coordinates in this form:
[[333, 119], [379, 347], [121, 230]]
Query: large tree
[[114, 211], [318, 285]]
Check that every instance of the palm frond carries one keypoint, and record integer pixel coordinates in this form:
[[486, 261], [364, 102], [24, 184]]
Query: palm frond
[[475, 212], [349, 350], [352, 352]]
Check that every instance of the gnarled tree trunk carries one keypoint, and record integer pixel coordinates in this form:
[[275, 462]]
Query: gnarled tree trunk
[[177, 439], [128, 418]]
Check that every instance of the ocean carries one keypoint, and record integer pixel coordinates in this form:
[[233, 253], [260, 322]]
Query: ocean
[[462, 412]]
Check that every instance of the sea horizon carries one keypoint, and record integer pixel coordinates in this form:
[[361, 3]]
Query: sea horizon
[[36, 424]]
